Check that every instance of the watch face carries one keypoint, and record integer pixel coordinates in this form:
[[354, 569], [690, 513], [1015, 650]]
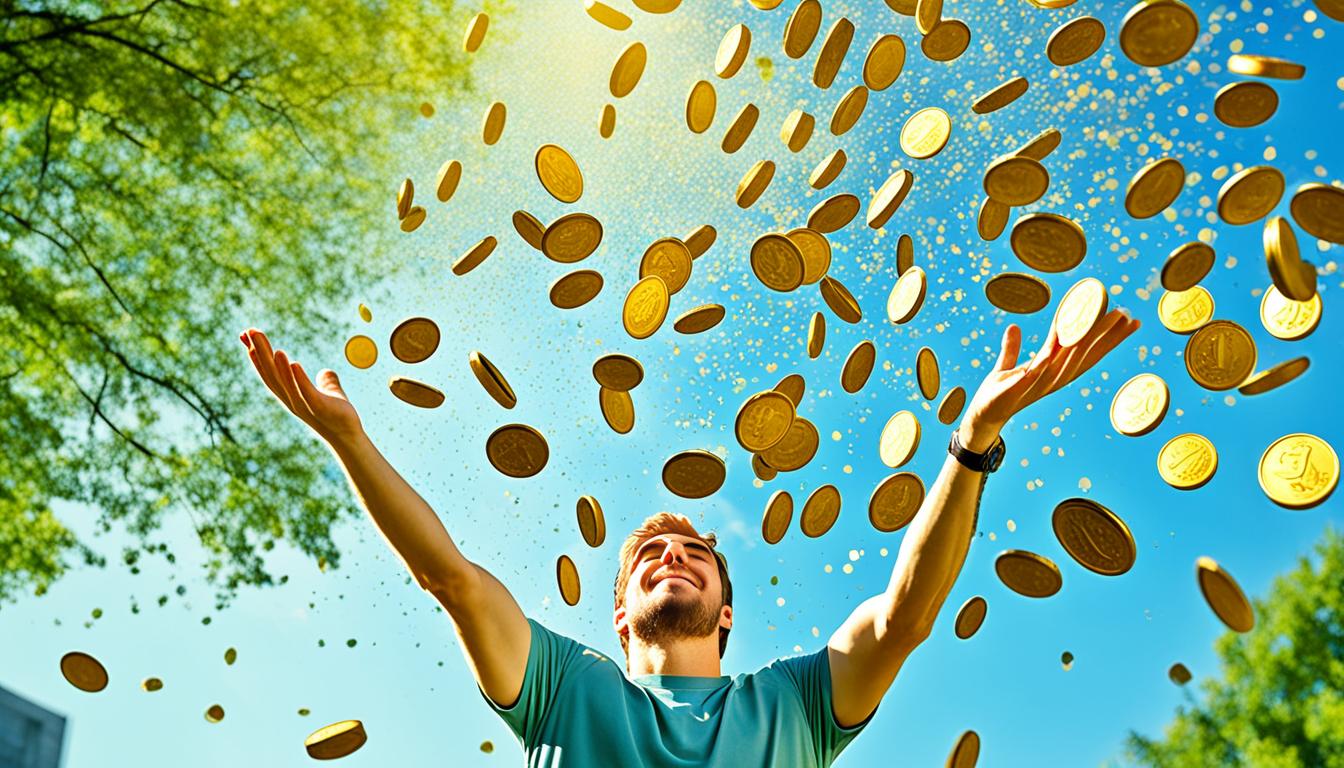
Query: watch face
[[995, 456]]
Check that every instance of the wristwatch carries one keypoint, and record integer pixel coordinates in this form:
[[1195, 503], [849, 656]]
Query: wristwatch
[[980, 462]]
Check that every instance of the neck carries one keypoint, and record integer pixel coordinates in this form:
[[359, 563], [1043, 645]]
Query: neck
[[694, 657]]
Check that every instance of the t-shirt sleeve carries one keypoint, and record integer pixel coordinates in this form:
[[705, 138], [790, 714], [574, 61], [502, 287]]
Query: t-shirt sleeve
[[549, 657], [810, 674]]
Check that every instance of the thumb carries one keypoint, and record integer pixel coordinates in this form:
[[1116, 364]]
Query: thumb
[[1012, 346], [328, 382]]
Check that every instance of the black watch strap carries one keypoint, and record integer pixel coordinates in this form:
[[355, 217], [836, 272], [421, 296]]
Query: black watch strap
[[980, 462]]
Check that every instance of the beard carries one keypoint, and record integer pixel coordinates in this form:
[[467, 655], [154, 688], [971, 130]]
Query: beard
[[672, 617]]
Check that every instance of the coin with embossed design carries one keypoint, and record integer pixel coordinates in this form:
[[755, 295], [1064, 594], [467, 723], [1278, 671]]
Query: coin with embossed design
[[1094, 536]]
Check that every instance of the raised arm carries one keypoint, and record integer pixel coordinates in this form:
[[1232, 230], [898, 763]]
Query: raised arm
[[494, 633], [868, 650]]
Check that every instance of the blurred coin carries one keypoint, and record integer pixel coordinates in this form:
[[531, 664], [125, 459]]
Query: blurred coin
[[492, 380], [670, 259], [833, 49], [827, 170], [927, 15], [416, 393], [970, 616], [907, 296], [1299, 471], [1245, 104], [947, 41], [816, 335], [763, 471], [885, 60], [1275, 377], [753, 184], [953, 402], [833, 213], [365, 314], [905, 254], [1187, 461], [840, 300], [475, 32], [414, 218], [888, 198], [700, 319], [1287, 319], [567, 576], [493, 127], [815, 250], [694, 474], [796, 449], [628, 69], [151, 684], [967, 750], [592, 525], [1000, 96], [1028, 573], [793, 387], [645, 307], [84, 671], [1187, 265], [1140, 405], [529, 228], [414, 339], [848, 110], [618, 409], [474, 256], [517, 450], [331, 742], [1042, 145], [572, 237], [405, 196], [1185, 311], [926, 373], [778, 516], [1074, 41], [1264, 66], [732, 51], [606, 15], [446, 182], [802, 28], [895, 501], [858, 366], [992, 219], [763, 420], [820, 511], [1319, 210], [1017, 293], [1080, 309], [558, 173], [576, 289], [657, 6], [1294, 277], [1016, 180], [1220, 355], [1224, 595], [1157, 32], [361, 351], [777, 262], [700, 239], [214, 713], [925, 133], [1094, 536], [1250, 194], [740, 129], [797, 130], [1179, 674], [1154, 187], [700, 107], [899, 440]]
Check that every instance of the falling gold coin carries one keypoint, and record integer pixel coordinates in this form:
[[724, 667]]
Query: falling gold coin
[[899, 440], [763, 420], [331, 742], [1319, 209], [966, 752], [793, 387], [858, 366], [1220, 355], [927, 15], [833, 213], [895, 501], [777, 262], [1042, 145], [1294, 277], [1080, 309], [230, 656], [1299, 471], [885, 60], [529, 228], [1075, 41], [700, 319], [592, 525], [1275, 377], [1179, 674], [1028, 573], [953, 402], [151, 684], [361, 351], [645, 307], [1000, 96], [970, 616], [802, 28], [833, 49], [414, 339], [1094, 536], [816, 335], [1264, 66], [628, 69], [1157, 32], [827, 170], [214, 713], [576, 289], [657, 6], [606, 15], [475, 32], [947, 41], [1186, 266], [694, 474], [494, 123], [414, 392], [1245, 104], [700, 239], [1016, 180], [365, 314], [84, 671], [405, 197], [753, 184], [797, 130], [492, 380], [815, 250], [446, 183], [740, 129], [619, 372], [517, 450], [618, 409], [925, 133], [797, 448], [1187, 461], [849, 110], [732, 51], [670, 259], [778, 516], [558, 173], [1224, 595], [414, 218], [1250, 194], [905, 254], [840, 300], [1154, 187], [1048, 242], [907, 296], [700, 107], [820, 511], [474, 256], [1018, 293], [1140, 405], [926, 373], [992, 220], [1185, 311], [572, 237], [1287, 319], [567, 576], [888, 198]]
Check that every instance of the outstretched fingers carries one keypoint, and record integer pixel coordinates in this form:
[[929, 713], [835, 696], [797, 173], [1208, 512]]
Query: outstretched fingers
[[287, 382], [1108, 341], [1011, 348]]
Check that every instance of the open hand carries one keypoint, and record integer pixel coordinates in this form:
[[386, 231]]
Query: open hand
[[323, 407]]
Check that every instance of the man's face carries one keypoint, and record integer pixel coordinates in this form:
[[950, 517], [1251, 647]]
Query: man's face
[[674, 592]]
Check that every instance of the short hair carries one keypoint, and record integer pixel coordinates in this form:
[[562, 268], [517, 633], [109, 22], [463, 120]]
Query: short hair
[[656, 525]]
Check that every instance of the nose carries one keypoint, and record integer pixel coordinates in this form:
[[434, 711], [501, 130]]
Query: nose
[[674, 552]]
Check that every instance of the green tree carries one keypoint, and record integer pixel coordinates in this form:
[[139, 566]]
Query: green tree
[[1280, 703], [169, 172]]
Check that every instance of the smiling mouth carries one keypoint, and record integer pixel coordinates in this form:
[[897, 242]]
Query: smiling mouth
[[666, 579]]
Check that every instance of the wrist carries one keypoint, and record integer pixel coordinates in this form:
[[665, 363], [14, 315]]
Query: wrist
[[348, 440], [978, 435]]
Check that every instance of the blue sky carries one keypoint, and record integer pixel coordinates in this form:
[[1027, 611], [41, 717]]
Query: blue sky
[[405, 676]]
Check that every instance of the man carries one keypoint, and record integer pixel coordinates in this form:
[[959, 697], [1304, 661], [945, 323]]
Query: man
[[571, 707]]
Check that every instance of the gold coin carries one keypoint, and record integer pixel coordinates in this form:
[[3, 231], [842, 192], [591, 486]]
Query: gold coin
[[766, 5], [365, 314], [899, 440], [895, 501], [777, 262], [214, 713], [740, 129], [778, 516], [763, 471], [592, 524], [1080, 309], [572, 237], [732, 51], [1016, 180], [1275, 377], [628, 69], [405, 197], [576, 289], [1094, 536], [700, 107], [361, 351], [694, 474], [1185, 311], [925, 133], [1319, 209], [670, 259], [618, 409], [763, 420], [815, 250], [1000, 96], [970, 616], [84, 671], [796, 449], [558, 173], [953, 402], [1042, 145], [414, 218], [1075, 41], [517, 450], [1186, 266], [820, 511], [475, 32], [1048, 242], [426, 109], [848, 110], [858, 366], [657, 6], [645, 307], [414, 339], [827, 170], [1250, 194], [416, 393], [1294, 277], [529, 228], [331, 742], [797, 130], [1332, 8], [151, 684], [967, 750], [493, 127], [1220, 355], [753, 184], [926, 373], [905, 254], [1245, 104], [1157, 32], [1187, 461], [888, 198], [840, 300], [992, 220], [833, 49], [606, 15], [907, 296], [947, 41], [802, 28], [1264, 66], [492, 380], [567, 576], [1017, 293], [886, 59], [793, 387], [1287, 319], [833, 213], [700, 239], [927, 15], [617, 371], [700, 319], [1140, 405], [1224, 595], [446, 182], [816, 335], [474, 256], [1154, 187], [1299, 471], [1179, 674], [1027, 573]]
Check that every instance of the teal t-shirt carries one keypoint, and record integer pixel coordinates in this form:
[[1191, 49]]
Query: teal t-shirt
[[577, 709]]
